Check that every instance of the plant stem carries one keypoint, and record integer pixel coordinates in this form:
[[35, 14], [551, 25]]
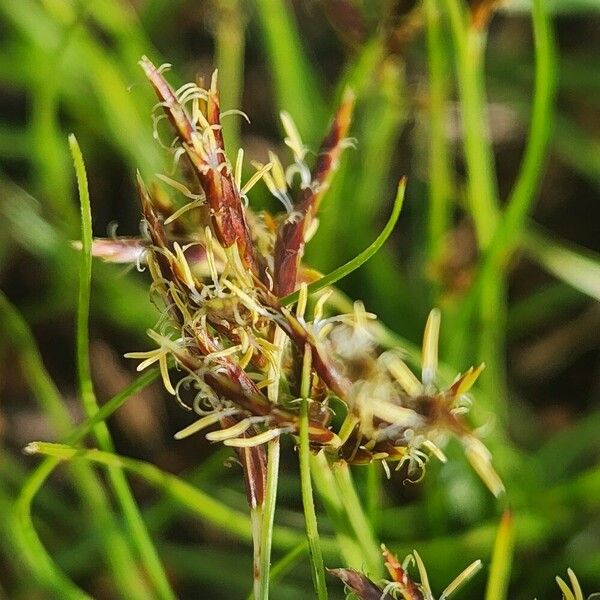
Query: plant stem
[[133, 519], [488, 291], [310, 517], [439, 169], [268, 517], [357, 518], [469, 44], [373, 494], [349, 548]]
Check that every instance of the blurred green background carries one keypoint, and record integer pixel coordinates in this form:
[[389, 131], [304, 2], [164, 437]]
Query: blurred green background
[[506, 247]]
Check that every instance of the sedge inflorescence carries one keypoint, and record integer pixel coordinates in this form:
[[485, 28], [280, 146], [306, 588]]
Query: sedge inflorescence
[[222, 275]]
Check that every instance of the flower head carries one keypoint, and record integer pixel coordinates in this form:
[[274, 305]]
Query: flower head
[[219, 274]]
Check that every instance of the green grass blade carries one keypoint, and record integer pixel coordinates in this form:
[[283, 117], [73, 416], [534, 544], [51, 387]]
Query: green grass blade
[[85, 483], [469, 46], [16, 329], [296, 87], [440, 184], [357, 518], [234, 522], [348, 547], [133, 519], [542, 117], [579, 267], [32, 549], [500, 567], [361, 258], [85, 278], [509, 231], [287, 561], [107, 409]]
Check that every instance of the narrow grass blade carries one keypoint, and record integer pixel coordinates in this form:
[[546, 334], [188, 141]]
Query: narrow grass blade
[[576, 266], [358, 519], [193, 499], [508, 234], [542, 116], [133, 519], [31, 547], [361, 258], [469, 46], [500, 567], [296, 87], [348, 547], [440, 183]]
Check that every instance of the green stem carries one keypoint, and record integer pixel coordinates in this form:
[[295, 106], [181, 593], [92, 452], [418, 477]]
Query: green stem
[[492, 348], [349, 548], [530, 174], [481, 181], [358, 519], [310, 517], [133, 519], [439, 165], [509, 232], [373, 494], [268, 519]]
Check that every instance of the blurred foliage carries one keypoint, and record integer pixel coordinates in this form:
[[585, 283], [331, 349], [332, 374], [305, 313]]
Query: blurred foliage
[[499, 229]]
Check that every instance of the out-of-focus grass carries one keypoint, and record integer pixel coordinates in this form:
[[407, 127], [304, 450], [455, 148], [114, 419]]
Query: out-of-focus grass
[[71, 66]]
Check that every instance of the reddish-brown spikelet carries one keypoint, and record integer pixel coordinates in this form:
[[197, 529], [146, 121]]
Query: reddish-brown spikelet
[[291, 238], [360, 584], [206, 151], [409, 588], [173, 109], [254, 463]]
